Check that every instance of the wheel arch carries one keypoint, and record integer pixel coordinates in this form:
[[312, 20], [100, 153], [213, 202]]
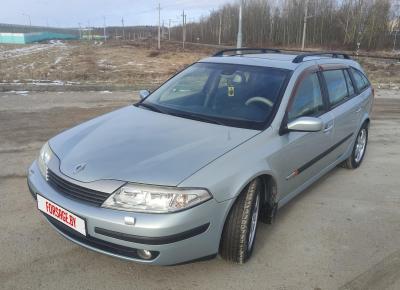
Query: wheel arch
[[268, 197], [269, 194]]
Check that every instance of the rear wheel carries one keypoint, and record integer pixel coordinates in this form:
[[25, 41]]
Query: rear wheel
[[359, 149], [241, 225]]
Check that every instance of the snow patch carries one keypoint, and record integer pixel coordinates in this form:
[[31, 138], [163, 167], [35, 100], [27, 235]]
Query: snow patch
[[58, 59]]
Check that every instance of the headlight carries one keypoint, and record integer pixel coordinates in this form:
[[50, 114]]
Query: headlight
[[44, 158], [155, 199]]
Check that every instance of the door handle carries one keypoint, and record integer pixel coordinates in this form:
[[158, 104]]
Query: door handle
[[328, 127], [358, 110]]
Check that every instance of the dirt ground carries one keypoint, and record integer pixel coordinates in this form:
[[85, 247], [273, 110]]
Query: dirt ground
[[343, 232], [132, 64], [127, 63]]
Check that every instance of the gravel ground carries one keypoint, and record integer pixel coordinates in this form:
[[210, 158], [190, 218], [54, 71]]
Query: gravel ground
[[343, 232]]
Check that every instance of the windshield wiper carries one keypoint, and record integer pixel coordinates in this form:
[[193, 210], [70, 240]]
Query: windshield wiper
[[151, 107], [182, 115], [199, 118]]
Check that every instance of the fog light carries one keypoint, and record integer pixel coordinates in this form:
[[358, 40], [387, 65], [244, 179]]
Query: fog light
[[144, 254]]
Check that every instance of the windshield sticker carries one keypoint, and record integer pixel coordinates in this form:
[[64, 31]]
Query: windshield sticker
[[231, 91]]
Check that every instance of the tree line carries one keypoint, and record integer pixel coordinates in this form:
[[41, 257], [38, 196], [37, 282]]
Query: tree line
[[371, 24]]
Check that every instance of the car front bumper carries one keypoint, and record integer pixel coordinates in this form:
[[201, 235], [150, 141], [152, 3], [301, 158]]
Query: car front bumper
[[173, 238]]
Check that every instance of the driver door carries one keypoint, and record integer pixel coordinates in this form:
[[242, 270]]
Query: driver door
[[302, 155]]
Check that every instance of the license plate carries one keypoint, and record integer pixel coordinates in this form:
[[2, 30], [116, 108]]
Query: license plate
[[67, 218]]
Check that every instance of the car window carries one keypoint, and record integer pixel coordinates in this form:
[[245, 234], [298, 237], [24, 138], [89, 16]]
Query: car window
[[192, 83], [360, 80], [336, 84], [307, 100], [349, 83], [237, 95]]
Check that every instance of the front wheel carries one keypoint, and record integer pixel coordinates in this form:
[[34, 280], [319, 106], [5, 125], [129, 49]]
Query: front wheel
[[360, 146], [240, 227]]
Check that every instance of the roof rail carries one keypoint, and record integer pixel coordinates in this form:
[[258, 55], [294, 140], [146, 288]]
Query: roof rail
[[300, 57], [238, 51]]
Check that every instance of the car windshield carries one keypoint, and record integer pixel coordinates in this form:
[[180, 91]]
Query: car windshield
[[228, 94]]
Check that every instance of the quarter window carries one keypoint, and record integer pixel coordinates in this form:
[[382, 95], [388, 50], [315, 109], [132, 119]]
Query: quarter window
[[360, 79], [336, 84], [308, 99]]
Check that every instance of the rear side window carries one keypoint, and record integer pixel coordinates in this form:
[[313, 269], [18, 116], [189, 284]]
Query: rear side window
[[360, 80], [308, 99], [350, 87], [336, 84]]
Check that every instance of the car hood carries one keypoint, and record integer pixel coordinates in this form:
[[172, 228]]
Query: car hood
[[137, 145]]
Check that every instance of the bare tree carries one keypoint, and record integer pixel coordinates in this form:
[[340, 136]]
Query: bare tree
[[333, 24]]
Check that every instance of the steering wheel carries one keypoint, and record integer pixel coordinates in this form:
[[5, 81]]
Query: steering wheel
[[259, 100]]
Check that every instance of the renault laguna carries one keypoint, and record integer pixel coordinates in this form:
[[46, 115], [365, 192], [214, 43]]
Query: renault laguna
[[187, 172]]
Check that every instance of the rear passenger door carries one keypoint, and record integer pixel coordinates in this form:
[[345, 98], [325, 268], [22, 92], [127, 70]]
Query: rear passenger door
[[344, 106]]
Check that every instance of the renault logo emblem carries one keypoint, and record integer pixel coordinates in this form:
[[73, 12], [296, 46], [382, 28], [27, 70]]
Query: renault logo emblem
[[78, 168]]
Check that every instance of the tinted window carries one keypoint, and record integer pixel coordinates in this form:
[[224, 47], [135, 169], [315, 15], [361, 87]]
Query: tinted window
[[360, 79], [235, 95], [336, 84], [308, 99], [350, 87]]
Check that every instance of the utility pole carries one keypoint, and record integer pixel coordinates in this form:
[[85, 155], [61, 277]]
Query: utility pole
[[169, 29], [395, 38], [304, 26], [220, 29], [80, 30], [183, 29], [123, 28], [104, 29], [30, 22], [159, 26], [89, 30], [162, 30], [239, 35]]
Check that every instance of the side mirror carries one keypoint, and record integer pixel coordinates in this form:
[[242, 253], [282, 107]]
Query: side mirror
[[305, 124], [143, 94]]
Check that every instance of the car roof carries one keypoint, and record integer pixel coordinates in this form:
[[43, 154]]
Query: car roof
[[277, 60]]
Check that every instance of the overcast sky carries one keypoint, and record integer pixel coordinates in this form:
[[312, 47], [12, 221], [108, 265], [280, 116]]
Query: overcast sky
[[68, 13]]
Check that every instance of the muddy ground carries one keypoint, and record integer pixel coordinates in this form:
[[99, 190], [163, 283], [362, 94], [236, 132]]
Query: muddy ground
[[134, 64]]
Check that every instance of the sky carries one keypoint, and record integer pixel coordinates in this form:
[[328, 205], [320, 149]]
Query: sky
[[69, 13]]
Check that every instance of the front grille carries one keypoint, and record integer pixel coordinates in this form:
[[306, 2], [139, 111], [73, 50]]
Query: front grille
[[74, 191]]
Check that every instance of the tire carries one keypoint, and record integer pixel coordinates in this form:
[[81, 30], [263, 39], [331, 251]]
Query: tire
[[359, 149], [240, 228]]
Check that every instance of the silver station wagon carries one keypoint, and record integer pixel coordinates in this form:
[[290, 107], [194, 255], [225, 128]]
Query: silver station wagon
[[187, 173]]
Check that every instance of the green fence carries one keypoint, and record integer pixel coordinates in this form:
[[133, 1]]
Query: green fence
[[22, 38]]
